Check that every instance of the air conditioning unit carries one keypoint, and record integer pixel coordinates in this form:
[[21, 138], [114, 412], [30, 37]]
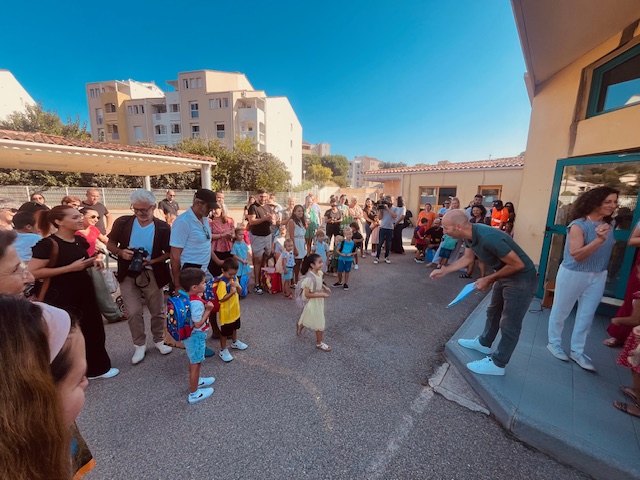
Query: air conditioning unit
[[243, 94]]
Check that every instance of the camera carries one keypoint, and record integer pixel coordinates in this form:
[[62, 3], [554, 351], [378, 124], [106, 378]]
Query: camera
[[135, 267], [380, 204]]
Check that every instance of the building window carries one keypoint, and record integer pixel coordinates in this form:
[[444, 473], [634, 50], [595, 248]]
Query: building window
[[436, 196], [135, 109], [161, 129], [194, 110], [110, 107], [186, 83], [195, 131], [225, 103], [174, 107], [137, 132], [141, 108], [199, 82], [113, 131], [616, 84], [99, 116], [101, 135], [175, 128], [220, 130], [215, 103], [129, 110], [92, 93], [291, 143], [192, 83], [490, 193]]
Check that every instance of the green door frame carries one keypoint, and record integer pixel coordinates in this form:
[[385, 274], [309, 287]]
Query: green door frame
[[551, 228]]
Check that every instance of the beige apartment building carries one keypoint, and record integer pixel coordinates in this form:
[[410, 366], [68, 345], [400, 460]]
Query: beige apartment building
[[201, 103], [358, 166], [13, 96], [320, 149]]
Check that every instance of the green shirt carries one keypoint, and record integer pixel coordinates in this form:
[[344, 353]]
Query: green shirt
[[491, 245]]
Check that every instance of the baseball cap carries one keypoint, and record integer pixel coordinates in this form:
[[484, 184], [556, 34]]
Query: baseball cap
[[498, 203], [207, 196]]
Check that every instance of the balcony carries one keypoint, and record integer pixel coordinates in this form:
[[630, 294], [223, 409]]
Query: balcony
[[161, 139], [111, 117]]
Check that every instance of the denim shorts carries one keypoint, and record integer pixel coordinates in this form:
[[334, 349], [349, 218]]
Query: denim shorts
[[288, 275], [195, 345], [344, 265]]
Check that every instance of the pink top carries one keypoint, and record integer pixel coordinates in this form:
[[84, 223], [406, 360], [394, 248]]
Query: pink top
[[222, 244], [93, 235]]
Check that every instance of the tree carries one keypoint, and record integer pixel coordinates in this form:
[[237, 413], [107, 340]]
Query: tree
[[338, 164], [36, 119], [319, 174], [273, 175], [392, 165], [309, 160]]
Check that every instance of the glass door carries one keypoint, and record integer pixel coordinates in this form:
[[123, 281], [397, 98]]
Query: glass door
[[574, 176]]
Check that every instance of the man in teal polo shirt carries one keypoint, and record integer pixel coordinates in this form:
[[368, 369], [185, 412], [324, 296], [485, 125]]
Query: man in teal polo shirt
[[513, 280]]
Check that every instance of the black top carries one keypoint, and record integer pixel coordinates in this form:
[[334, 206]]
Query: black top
[[260, 211], [169, 206]]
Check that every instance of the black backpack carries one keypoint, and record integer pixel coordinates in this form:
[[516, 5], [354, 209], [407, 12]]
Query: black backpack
[[407, 219]]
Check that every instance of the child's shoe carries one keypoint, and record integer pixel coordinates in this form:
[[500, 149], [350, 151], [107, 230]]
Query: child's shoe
[[200, 394], [345, 287], [205, 382], [237, 344], [225, 355], [337, 284], [355, 267]]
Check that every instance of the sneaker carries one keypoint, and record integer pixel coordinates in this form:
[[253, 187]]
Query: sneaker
[[583, 360], [238, 345], [376, 261], [485, 367], [138, 354], [205, 382], [355, 267], [257, 289], [163, 349], [418, 260], [345, 287], [225, 355], [200, 394], [474, 344], [386, 260], [208, 352], [112, 372], [364, 254], [558, 352], [337, 284]]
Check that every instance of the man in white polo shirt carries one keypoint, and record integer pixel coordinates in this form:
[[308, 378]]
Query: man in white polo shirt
[[191, 235]]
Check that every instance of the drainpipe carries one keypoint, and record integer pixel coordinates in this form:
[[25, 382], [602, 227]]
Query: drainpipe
[[146, 182]]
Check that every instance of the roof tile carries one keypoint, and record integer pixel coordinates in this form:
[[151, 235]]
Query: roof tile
[[507, 162]]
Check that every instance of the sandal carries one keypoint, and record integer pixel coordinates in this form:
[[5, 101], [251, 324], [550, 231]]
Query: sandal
[[299, 328], [288, 295], [612, 342], [323, 346], [465, 275], [624, 407], [628, 391]]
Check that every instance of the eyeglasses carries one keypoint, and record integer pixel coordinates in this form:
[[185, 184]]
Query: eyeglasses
[[94, 216], [206, 232], [141, 210]]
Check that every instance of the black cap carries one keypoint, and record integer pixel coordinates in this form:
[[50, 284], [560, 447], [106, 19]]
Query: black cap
[[32, 207], [498, 203], [207, 196]]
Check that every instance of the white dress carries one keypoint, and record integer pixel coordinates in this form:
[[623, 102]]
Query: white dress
[[312, 315]]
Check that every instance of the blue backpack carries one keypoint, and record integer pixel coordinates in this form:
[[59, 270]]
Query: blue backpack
[[179, 324]]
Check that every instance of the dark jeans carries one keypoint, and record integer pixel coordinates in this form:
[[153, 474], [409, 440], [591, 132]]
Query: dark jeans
[[396, 242], [510, 300], [386, 234], [333, 229], [367, 229]]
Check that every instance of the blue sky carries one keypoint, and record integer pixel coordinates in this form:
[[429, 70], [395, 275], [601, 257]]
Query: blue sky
[[416, 81]]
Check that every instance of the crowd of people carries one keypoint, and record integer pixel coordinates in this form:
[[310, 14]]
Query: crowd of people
[[55, 256]]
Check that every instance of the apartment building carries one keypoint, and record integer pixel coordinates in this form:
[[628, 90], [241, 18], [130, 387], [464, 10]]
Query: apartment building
[[319, 149], [13, 96], [201, 103], [358, 166]]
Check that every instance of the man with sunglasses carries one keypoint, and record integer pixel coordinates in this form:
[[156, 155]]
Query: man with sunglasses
[[169, 207], [131, 234]]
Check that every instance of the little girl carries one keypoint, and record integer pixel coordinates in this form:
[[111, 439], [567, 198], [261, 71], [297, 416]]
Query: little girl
[[288, 262], [313, 291], [375, 234], [321, 247], [240, 252]]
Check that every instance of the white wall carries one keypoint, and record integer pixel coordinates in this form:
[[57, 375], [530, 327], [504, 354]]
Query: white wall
[[284, 135], [13, 96]]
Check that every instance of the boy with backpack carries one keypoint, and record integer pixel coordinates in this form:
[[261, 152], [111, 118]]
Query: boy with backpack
[[346, 251], [192, 281], [226, 290]]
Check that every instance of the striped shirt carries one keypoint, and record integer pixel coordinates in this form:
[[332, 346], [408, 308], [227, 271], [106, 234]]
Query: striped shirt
[[598, 260]]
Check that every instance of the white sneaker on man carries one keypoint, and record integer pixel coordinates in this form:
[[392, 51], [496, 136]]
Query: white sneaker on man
[[474, 344], [138, 354], [583, 360], [376, 261], [112, 372], [557, 351], [485, 367], [163, 349], [386, 260]]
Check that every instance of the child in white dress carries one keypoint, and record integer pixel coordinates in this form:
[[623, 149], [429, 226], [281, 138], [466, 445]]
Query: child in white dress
[[313, 292]]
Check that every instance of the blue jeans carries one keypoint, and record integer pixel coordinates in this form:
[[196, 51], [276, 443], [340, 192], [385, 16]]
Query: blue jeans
[[510, 300], [367, 229], [386, 234]]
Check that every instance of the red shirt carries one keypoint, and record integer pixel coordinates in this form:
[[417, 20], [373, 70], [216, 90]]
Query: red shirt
[[91, 237]]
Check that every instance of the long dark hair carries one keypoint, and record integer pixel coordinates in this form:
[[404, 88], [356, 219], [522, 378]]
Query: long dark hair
[[296, 220], [400, 202], [308, 260], [590, 201]]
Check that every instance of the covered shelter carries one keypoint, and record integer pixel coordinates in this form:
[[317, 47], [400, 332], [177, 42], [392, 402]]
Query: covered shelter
[[40, 151]]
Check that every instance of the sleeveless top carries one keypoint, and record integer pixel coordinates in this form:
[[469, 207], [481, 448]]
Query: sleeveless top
[[598, 260]]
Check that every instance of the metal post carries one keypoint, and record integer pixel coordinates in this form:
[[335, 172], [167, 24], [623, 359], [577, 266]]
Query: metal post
[[205, 176], [146, 180]]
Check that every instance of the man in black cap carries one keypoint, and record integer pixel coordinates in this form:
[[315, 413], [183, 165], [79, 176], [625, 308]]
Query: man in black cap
[[499, 215], [191, 235]]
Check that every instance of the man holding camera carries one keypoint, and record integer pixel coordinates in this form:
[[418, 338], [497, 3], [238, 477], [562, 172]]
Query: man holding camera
[[386, 216], [141, 243]]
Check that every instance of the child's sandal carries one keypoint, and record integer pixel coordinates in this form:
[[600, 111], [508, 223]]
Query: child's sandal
[[323, 346]]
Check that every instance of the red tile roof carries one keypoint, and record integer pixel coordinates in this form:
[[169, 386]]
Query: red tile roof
[[47, 139], [508, 162]]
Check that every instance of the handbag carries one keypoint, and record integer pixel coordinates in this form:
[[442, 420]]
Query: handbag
[[44, 286], [106, 304]]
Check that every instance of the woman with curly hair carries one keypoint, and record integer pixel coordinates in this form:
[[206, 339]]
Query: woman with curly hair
[[583, 272], [296, 229]]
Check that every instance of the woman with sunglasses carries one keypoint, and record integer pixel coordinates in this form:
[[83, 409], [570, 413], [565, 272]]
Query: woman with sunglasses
[[90, 232]]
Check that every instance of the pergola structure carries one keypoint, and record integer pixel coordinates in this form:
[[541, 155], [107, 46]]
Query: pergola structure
[[39, 151]]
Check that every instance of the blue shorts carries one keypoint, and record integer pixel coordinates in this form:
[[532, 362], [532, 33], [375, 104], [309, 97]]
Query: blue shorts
[[195, 345], [344, 265], [288, 275]]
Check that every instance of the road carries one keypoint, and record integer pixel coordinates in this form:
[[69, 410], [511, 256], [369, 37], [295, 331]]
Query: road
[[284, 409]]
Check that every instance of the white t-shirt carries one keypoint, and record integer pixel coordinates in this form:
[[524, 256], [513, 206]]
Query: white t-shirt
[[142, 237], [197, 312]]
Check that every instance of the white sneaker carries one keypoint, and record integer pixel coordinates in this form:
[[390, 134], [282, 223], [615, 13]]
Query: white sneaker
[[112, 372], [163, 349], [386, 260], [205, 382], [225, 355], [485, 367], [355, 267], [375, 261], [237, 344], [138, 355], [558, 352], [474, 344], [200, 394], [583, 360]]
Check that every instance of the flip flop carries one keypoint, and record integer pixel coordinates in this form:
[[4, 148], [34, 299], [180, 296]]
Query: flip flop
[[623, 407], [299, 328], [323, 346], [465, 275], [612, 342], [628, 391]]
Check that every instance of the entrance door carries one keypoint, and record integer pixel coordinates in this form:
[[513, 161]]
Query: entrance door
[[574, 176]]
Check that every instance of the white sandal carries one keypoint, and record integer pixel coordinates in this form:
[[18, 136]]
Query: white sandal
[[323, 346]]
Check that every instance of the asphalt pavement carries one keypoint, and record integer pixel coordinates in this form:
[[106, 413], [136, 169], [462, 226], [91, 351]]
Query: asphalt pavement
[[284, 409]]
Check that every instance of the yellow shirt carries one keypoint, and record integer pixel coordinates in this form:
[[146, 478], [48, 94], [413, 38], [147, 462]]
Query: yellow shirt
[[230, 308]]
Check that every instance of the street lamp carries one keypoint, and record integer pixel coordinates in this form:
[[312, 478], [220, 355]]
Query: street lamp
[[304, 173]]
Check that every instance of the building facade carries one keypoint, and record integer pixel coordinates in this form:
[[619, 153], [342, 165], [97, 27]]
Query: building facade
[[357, 167], [13, 96], [201, 103], [319, 149]]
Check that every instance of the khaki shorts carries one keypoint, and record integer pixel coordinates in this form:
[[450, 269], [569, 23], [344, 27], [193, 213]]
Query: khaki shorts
[[261, 245]]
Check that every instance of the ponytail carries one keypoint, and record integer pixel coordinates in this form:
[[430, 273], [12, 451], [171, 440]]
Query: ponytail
[[308, 260], [46, 219]]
